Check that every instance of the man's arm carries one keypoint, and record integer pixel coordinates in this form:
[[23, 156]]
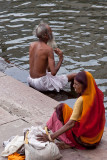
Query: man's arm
[[51, 62]]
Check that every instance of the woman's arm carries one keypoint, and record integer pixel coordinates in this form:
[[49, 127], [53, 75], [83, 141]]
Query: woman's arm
[[63, 129], [54, 135]]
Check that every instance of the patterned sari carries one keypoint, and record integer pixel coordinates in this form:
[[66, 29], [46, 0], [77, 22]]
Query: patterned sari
[[88, 130]]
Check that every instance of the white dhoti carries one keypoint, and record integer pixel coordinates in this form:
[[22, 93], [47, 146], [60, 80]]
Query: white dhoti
[[48, 82]]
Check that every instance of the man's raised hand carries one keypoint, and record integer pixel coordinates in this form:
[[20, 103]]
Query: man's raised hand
[[58, 52]]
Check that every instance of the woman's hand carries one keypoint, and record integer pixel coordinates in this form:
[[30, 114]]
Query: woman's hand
[[43, 137]]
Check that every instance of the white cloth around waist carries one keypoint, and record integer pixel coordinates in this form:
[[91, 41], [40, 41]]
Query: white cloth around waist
[[48, 82]]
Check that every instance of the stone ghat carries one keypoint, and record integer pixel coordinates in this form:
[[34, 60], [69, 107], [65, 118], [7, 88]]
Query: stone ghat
[[22, 107]]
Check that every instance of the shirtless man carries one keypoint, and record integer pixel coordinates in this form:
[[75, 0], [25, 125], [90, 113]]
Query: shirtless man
[[42, 64]]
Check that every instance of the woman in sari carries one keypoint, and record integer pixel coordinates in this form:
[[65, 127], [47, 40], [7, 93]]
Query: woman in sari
[[83, 126]]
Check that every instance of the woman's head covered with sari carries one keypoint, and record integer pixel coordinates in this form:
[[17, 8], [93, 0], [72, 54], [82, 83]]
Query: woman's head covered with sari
[[93, 114], [81, 78]]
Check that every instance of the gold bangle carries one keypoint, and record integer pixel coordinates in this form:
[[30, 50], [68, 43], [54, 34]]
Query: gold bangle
[[50, 139], [46, 130]]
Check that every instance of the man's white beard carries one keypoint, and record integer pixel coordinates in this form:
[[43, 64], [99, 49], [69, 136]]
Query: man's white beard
[[52, 43]]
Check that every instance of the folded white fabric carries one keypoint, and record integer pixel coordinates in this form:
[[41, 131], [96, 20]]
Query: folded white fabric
[[13, 146]]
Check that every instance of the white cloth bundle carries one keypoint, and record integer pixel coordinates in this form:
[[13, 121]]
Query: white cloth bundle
[[36, 150]]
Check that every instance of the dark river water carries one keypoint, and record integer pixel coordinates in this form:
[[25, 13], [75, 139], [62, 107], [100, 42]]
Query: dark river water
[[80, 29]]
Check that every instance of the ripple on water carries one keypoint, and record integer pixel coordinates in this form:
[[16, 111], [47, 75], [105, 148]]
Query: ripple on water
[[23, 4], [4, 20], [89, 55], [98, 6], [47, 5], [19, 40], [104, 59], [16, 15], [24, 20], [15, 26], [65, 11]]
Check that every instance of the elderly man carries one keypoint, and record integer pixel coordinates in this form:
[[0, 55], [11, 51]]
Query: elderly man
[[42, 64]]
